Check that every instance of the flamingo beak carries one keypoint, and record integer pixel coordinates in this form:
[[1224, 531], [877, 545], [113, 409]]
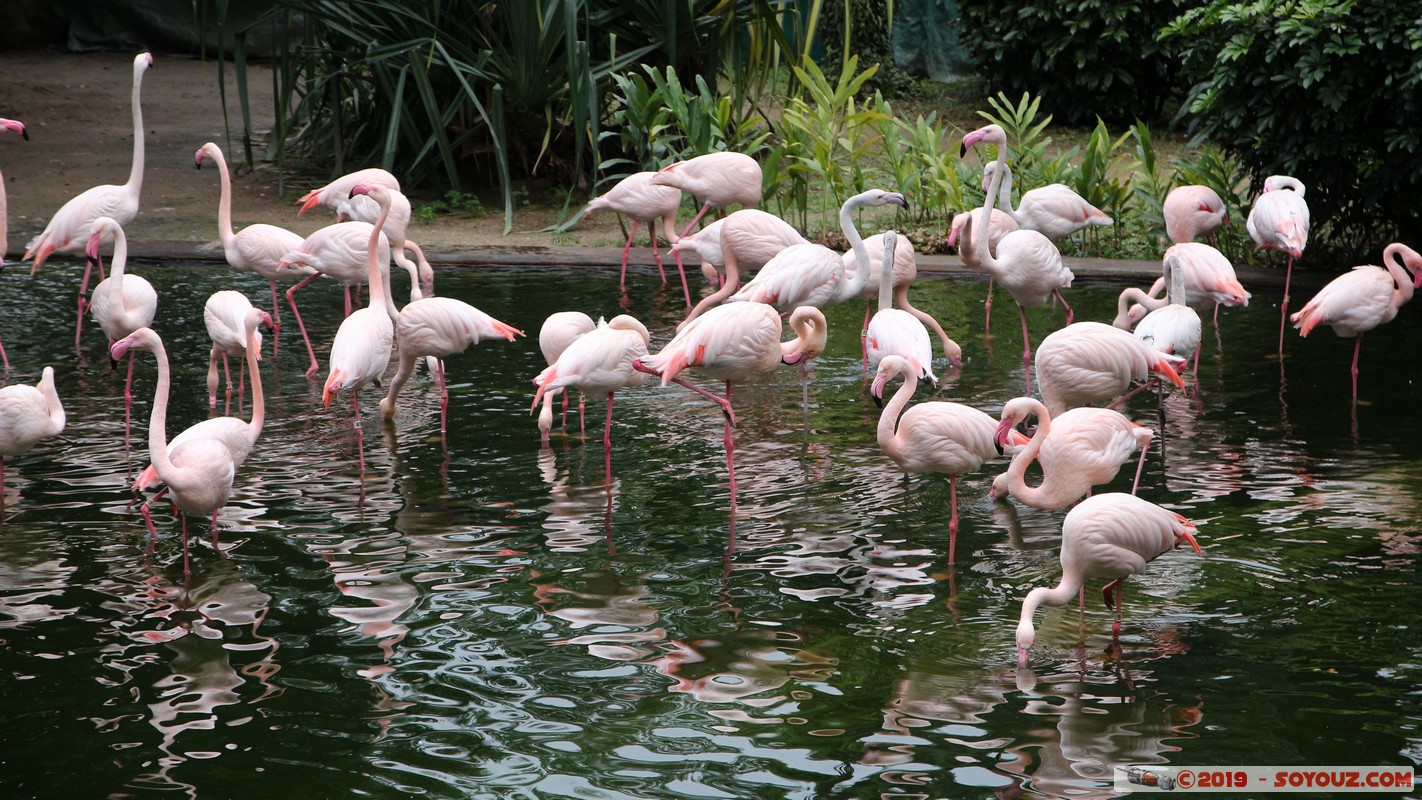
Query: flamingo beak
[[1189, 537]]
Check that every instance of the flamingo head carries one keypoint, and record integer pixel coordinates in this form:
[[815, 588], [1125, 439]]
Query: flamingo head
[[209, 149], [141, 339], [295, 259], [1026, 636], [991, 133], [361, 188], [97, 229], [1004, 428], [16, 126]]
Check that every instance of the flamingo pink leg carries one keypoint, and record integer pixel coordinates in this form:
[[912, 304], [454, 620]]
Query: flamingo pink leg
[[1119, 590], [607, 441], [276, 319], [291, 300], [987, 309], [1357, 348], [83, 290], [627, 249], [1057, 293], [1026, 349], [360, 433], [128, 402], [1284, 307], [216, 545], [656, 252], [681, 269], [4, 357], [187, 561], [704, 208], [1140, 466], [953, 520], [443, 398], [2, 486], [864, 335]]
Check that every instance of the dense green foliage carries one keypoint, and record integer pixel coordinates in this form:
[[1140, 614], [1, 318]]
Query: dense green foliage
[[1324, 90], [1086, 58], [444, 91]]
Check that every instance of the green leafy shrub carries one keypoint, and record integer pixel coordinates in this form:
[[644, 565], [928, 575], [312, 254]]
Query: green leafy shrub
[[1088, 57], [1328, 91]]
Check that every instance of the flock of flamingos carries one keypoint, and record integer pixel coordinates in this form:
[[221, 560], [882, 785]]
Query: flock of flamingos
[[733, 333]]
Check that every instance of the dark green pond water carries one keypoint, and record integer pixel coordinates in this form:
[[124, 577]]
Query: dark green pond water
[[495, 620]]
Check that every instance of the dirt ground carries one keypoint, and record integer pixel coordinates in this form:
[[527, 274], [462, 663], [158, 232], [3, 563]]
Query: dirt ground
[[76, 107]]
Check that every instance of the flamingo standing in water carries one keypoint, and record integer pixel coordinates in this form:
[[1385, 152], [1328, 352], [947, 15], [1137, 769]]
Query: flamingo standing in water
[[338, 252], [733, 342], [27, 415], [644, 201], [1111, 536], [1174, 328], [903, 268], [716, 179], [200, 471], [1055, 210], [336, 195], [938, 436], [239, 436], [121, 303], [7, 125], [256, 248], [598, 364], [741, 241], [1192, 211], [361, 350], [812, 274], [894, 331], [1209, 279], [1279, 221], [1027, 264], [68, 230], [559, 331], [1362, 299], [1079, 449], [225, 315], [429, 327], [18, 127], [1091, 362], [1000, 224]]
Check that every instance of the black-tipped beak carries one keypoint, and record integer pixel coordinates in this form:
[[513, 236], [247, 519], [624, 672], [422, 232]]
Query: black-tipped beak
[[962, 151], [998, 445]]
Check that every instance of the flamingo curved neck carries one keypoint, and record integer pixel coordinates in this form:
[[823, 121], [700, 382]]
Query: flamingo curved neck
[[1174, 283], [1060, 595], [118, 263], [224, 201], [1134, 295], [1046, 494], [860, 279], [259, 406], [886, 275], [984, 224], [158, 418], [56, 408], [889, 419], [135, 174], [1403, 286], [378, 295]]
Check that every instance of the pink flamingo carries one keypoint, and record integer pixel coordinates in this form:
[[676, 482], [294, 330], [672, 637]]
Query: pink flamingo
[[1027, 264], [27, 415], [1173, 328], [1209, 279], [7, 125], [361, 350], [812, 274], [1077, 449], [256, 248], [637, 197], [18, 127], [337, 251], [1193, 211], [68, 229], [1091, 362], [121, 303], [225, 315], [200, 471], [1055, 210], [903, 270], [741, 241], [938, 436], [1000, 223], [733, 342], [239, 436], [1362, 299], [717, 179], [598, 364], [559, 331], [1113, 536], [430, 327], [894, 331], [336, 195], [1279, 221]]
